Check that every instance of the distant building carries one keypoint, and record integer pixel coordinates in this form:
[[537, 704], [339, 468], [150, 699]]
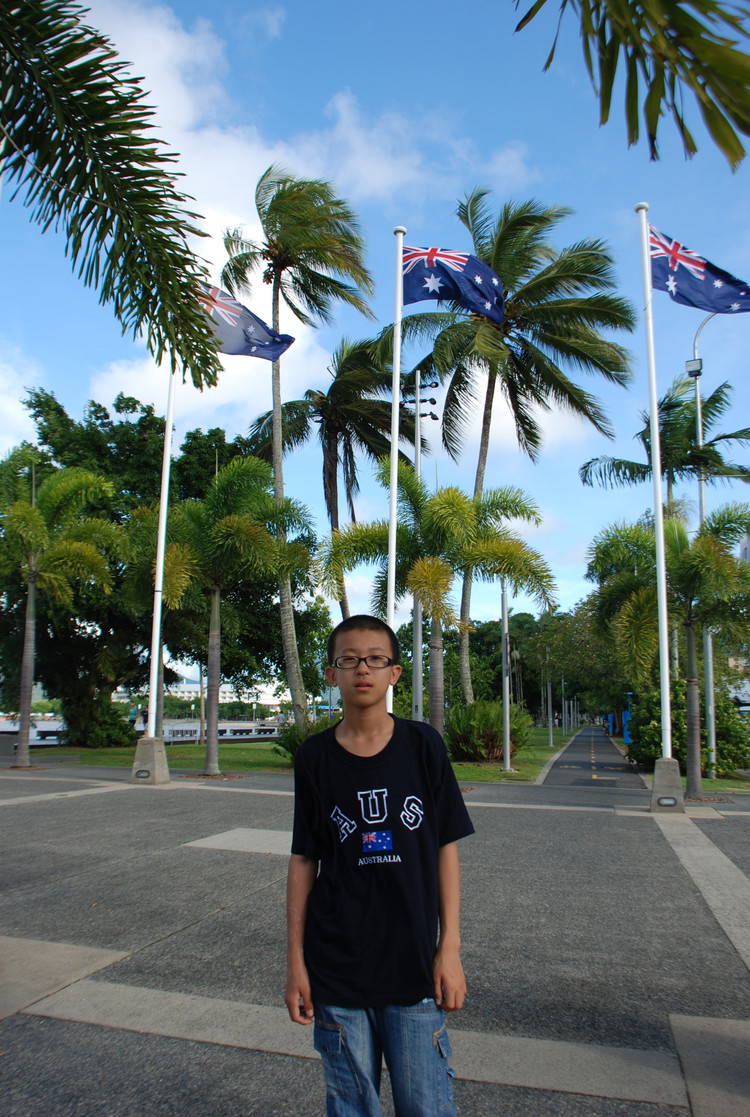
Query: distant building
[[190, 690]]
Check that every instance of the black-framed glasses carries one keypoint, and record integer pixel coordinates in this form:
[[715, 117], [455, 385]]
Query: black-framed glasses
[[351, 662]]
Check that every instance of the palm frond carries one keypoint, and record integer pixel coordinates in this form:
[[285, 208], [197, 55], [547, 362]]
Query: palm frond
[[74, 143]]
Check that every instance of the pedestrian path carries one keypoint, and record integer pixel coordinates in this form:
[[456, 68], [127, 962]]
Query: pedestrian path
[[141, 949]]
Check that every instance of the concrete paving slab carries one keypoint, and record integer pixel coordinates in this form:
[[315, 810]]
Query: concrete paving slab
[[715, 1057], [179, 1015], [576, 1068], [725, 888], [31, 969], [245, 840], [507, 1060]]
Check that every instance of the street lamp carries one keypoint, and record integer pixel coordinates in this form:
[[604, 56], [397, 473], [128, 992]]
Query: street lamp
[[417, 683], [694, 369]]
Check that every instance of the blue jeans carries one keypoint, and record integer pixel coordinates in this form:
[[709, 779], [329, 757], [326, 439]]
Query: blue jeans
[[352, 1042]]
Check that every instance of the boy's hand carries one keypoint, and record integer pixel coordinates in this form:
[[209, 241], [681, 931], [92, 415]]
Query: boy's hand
[[297, 997], [450, 983]]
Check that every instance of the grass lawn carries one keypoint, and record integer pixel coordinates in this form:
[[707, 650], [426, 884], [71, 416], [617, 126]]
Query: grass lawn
[[261, 757], [241, 757]]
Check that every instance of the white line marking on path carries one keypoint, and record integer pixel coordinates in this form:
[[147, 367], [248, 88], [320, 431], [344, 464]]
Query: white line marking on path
[[244, 840], [724, 887], [611, 1072]]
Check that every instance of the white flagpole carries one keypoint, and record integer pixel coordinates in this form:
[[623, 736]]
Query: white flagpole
[[399, 233], [417, 674], [667, 789], [152, 758]]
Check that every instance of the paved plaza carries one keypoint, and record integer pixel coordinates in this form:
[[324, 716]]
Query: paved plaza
[[606, 948]]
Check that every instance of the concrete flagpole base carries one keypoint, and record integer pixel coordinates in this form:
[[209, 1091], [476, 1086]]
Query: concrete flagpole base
[[666, 793], [150, 763]]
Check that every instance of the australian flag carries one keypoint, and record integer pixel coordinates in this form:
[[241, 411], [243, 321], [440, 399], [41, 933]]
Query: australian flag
[[693, 281], [238, 330], [376, 841], [435, 273]]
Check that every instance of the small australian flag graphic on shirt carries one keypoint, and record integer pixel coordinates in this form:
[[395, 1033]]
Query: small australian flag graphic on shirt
[[376, 840]]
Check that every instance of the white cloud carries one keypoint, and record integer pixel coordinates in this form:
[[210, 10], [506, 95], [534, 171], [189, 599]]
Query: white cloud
[[509, 169], [17, 374], [269, 21], [241, 394]]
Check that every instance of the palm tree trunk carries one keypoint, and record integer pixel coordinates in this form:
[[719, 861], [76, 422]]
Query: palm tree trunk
[[437, 676], [23, 753], [294, 678], [214, 681], [331, 492], [202, 706], [464, 663], [694, 788]]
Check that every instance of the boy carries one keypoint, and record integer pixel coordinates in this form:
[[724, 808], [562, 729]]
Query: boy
[[374, 870]]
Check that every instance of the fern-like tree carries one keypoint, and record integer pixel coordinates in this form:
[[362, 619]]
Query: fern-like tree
[[239, 530], [708, 585], [75, 144], [441, 535], [49, 539], [312, 256]]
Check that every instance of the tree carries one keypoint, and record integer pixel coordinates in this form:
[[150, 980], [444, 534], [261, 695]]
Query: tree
[[439, 535], [675, 47], [230, 535], [47, 537], [126, 448], [353, 416], [557, 303], [73, 139], [682, 458], [311, 239], [708, 585]]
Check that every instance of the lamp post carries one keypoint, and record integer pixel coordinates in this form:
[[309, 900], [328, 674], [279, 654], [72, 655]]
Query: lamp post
[[417, 683], [694, 369], [549, 704]]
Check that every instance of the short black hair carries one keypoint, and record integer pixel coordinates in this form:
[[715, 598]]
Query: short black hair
[[363, 622]]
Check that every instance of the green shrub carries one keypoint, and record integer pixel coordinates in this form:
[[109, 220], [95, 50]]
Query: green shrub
[[732, 736], [103, 724], [291, 736], [475, 732]]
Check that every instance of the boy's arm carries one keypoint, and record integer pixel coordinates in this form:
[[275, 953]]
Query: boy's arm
[[450, 983], [300, 879]]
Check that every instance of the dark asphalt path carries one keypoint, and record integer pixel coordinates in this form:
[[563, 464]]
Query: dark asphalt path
[[592, 761]]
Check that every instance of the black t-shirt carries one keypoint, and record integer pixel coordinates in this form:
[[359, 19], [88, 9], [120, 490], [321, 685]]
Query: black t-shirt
[[375, 824]]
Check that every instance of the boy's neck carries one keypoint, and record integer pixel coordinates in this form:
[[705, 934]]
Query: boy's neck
[[365, 732]]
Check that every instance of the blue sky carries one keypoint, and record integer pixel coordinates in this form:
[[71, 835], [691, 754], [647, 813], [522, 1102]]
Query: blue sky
[[405, 108]]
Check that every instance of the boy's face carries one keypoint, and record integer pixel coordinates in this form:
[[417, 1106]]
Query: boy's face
[[363, 686]]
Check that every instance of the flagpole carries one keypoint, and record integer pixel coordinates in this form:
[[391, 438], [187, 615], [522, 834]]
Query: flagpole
[[667, 788], [398, 232], [417, 676], [150, 762]]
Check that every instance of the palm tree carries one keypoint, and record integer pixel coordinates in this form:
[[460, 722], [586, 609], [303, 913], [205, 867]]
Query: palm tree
[[682, 458], [674, 48], [233, 533], [47, 538], [311, 238], [73, 136], [708, 585], [353, 416], [439, 535], [557, 303]]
